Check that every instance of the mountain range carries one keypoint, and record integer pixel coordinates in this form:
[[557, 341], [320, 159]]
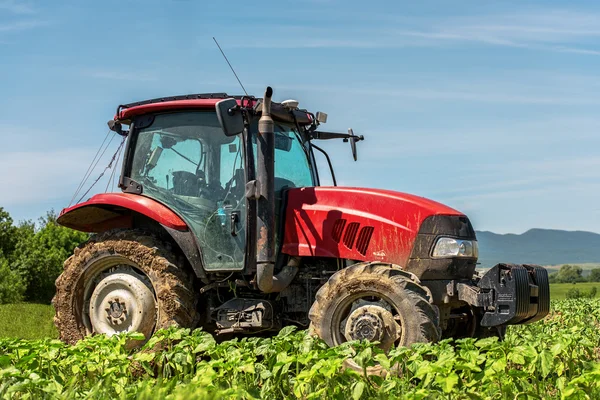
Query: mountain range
[[538, 246]]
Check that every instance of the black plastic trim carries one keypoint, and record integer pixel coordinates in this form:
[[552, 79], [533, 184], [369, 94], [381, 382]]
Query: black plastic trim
[[448, 225], [187, 243], [424, 266]]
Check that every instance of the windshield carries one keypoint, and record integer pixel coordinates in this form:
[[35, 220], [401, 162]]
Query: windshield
[[186, 162]]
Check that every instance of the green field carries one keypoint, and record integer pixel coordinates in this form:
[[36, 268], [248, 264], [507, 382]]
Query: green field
[[558, 291], [554, 359], [27, 321]]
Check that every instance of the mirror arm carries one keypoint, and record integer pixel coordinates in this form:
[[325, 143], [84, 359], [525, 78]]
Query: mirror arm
[[314, 146], [332, 135]]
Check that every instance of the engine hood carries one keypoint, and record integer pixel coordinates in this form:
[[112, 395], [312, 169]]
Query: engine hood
[[356, 223]]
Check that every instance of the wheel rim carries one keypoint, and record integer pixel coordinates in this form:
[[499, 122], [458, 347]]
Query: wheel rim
[[118, 298], [367, 316]]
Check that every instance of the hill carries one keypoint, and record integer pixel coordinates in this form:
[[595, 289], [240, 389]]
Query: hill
[[539, 246]]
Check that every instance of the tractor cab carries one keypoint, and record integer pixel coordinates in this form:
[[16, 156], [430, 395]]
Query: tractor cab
[[184, 161]]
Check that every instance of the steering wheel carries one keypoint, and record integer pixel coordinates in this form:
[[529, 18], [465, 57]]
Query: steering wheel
[[186, 183]]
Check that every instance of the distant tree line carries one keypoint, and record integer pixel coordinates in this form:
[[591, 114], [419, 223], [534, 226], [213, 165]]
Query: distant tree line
[[32, 256], [574, 274]]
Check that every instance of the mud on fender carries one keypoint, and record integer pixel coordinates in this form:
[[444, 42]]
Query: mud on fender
[[520, 294]]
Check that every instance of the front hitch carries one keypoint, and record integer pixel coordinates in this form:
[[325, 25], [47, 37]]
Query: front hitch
[[518, 294]]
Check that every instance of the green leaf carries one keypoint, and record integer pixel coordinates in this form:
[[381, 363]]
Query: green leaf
[[447, 382], [136, 336], [546, 362], [4, 361], [517, 358], [487, 342], [382, 360], [144, 357], [557, 348], [358, 389], [288, 330], [248, 368]]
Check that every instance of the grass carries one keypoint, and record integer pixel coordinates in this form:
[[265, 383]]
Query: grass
[[558, 291], [27, 321]]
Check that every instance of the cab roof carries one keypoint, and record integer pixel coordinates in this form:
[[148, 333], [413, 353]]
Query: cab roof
[[126, 112]]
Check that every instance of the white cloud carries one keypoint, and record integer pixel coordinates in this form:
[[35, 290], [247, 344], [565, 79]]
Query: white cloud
[[18, 26], [17, 6], [32, 176], [543, 30]]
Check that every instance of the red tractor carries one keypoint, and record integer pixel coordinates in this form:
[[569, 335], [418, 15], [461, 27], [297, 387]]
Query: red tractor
[[222, 224]]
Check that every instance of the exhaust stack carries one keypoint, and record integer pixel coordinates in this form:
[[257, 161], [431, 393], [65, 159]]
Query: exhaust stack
[[265, 207]]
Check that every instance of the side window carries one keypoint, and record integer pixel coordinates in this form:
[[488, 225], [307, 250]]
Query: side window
[[291, 164], [232, 175], [292, 168], [231, 159]]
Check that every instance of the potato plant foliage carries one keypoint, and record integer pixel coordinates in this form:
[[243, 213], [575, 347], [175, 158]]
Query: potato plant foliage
[[555, 358]]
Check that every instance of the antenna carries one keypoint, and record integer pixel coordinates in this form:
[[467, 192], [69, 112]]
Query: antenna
[[232, 70]]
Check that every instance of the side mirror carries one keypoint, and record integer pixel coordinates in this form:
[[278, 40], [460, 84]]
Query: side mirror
[[230, 117], [353, 139]]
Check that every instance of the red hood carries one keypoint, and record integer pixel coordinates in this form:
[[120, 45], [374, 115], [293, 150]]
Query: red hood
[[356, 223]]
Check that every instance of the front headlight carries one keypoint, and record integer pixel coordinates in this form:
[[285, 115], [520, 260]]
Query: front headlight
[[447, 247]]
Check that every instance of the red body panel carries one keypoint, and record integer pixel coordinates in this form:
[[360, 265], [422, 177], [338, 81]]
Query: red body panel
[[355, 223], [128, 113], [113, 210], [208, 104]]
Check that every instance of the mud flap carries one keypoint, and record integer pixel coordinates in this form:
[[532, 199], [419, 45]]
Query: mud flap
[[520, 294]]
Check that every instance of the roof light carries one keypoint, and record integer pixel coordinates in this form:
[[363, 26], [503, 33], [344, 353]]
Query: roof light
[[290, 104], [321, 117]]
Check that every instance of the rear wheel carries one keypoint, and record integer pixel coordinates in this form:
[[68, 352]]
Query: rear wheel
[[375, 302], [122, 281]]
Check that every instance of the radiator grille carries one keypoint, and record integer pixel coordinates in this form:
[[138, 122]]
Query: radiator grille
[[364, 238], [350, 234], [338, 229]]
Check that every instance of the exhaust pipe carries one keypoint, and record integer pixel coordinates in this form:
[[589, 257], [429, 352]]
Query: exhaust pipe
[[265, 207], [270, 283]]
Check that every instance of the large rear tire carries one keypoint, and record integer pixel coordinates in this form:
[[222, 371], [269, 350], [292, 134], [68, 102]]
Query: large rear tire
[[377, 302], [123, 281]]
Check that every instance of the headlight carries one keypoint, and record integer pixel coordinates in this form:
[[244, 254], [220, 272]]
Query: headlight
[[449, 247]]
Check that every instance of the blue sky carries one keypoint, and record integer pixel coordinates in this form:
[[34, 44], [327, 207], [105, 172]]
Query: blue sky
[[489, 107]]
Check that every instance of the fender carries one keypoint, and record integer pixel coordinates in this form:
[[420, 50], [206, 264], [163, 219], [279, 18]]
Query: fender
[[113, 210], [355, 223], [116, 210]]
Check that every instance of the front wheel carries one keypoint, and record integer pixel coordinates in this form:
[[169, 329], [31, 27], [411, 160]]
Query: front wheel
[[122, 281], [374, 302]]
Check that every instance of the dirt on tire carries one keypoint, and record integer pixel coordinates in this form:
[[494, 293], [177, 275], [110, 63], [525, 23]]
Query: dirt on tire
[[419, 318], [173, 288]]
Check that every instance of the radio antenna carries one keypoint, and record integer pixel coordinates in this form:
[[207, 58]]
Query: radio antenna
[[232, 70]]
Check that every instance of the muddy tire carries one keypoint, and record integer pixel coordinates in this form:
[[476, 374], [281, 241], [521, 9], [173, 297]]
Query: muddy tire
[[123, 281], [374, 301]]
